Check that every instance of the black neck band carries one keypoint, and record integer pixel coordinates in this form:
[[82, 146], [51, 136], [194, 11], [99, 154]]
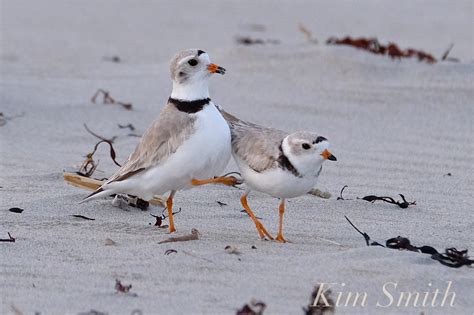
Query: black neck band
[[286, 164], [189, 107]]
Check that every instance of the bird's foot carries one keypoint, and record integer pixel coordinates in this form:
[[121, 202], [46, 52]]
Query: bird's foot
[[280, 238]]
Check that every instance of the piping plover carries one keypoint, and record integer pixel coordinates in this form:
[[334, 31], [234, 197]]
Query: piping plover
[[275, 162], [188, 144]]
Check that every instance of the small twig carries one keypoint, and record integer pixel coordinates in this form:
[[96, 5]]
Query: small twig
[[446, 53], [189, 237], [80, 216], [9, 239], [221, 203]]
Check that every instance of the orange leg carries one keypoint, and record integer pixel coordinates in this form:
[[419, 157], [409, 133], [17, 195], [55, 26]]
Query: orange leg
[[280, 237], [260, 228], [226, 180], [169, 205]]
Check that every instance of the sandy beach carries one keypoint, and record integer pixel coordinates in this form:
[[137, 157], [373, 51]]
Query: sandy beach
[[396, 127]]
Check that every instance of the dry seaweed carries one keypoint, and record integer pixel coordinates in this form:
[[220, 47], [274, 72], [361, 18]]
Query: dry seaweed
[[372, 198], [129, 126], [323, 306], [252, 308], [88, 167], [170, 251], [451, 257], [307, 33], [246, 40], [16, 210], [119, 287], [100, 137], [163, 216], [80, 216], [373, 45], [107, 99], [189, 237], [9, 239]]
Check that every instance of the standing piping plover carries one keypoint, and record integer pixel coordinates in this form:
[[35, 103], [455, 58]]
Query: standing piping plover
[[275, 162], [187, 145]]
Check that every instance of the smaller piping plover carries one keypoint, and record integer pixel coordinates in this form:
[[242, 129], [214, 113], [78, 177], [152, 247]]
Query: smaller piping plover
[[275, 162], [187, 145]]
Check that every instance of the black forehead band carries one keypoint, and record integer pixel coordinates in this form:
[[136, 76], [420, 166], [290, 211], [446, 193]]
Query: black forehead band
[[200, 52], [319, 139]]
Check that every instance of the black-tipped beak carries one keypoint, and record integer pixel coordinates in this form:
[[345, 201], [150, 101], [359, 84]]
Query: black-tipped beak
[[328, 156], [213, 68]]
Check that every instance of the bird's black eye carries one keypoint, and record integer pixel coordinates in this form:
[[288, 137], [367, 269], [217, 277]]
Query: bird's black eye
[[306, 146], [193, 62]]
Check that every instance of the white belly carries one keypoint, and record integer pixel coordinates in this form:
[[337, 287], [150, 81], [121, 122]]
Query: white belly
[[204, 155], [276, 182]]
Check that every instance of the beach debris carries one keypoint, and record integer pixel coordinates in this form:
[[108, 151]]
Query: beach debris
[[373, 45], [4, 119], [98, 136], [307, 33], [320, 303], [163, 216], [245, 211], [246, 40], [372, 198], [109, 242], [113, 58], [445, 57], [319, 193], [448, 174], [230, 249], [121, 288], [188, 237], [451, 257], [16, 210], [129, 126], [253, 247], [92, 184], [253, 308], [80, 216], [107, 99], [93, 312], [9, 239], [221, 203], [15, 310], [170, 251], [89, 166], [404, 204]]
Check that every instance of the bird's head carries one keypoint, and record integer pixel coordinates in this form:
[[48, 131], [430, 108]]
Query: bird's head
[[307, 150]]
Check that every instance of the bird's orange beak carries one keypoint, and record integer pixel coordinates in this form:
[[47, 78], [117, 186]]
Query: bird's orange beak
[[213, 68], [328, 156]]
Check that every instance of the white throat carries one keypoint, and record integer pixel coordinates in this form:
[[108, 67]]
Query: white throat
[[307, 164], [191, 91]]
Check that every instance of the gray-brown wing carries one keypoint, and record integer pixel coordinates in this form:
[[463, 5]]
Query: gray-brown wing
[[258, 146], [159, 141]]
